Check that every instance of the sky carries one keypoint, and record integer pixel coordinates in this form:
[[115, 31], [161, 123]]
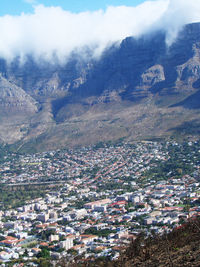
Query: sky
[[52, 30], [16, 7]]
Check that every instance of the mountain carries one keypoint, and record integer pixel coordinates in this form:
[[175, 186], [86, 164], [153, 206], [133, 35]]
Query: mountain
[[140, 89]]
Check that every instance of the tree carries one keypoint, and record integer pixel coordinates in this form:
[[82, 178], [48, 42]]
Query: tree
[[44, 253]]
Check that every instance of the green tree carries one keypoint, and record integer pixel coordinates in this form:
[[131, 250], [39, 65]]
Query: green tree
[[44, 253]]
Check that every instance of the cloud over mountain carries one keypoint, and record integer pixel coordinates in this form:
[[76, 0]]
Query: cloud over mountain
[[53, 32]]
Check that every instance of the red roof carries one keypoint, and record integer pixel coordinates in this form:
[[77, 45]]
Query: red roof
[[122, 202], [44, 244]]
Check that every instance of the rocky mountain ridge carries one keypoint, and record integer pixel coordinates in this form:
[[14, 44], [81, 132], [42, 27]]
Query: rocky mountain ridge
[[138, 90]]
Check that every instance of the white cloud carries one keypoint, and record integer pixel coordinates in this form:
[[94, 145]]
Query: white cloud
[[53, 31], [178, 13]]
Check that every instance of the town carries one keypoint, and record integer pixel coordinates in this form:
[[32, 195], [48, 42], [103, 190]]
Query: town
[[91, 202]]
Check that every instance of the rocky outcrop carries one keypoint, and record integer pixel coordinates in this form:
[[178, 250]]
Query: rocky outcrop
[[14, 98]]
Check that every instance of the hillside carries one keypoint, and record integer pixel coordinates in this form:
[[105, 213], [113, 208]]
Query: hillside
[[179, 248], [140, 89]]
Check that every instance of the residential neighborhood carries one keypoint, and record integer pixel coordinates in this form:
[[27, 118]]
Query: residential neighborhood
[[97, 199]]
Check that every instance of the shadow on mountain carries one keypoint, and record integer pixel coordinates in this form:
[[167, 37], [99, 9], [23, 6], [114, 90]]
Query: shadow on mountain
[[197, 84], [188, 128], [191, 102]]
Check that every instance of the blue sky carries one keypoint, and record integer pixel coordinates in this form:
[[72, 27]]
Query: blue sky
[[16, 7]]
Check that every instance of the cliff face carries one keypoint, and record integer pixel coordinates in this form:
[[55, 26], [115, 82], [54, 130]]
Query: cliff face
[[140, 89]]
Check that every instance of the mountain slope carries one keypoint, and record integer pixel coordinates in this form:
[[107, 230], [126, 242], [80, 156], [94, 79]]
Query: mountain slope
[[137, 90]]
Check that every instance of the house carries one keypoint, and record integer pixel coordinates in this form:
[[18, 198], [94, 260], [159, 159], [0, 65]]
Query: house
[[78, 214], [53, 215], [35, 251], [10, 241], [43, 217], [66, 244], [102, 202], [88, 238], [53, 238], [149, 220], [80, 248], [5, 256]]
